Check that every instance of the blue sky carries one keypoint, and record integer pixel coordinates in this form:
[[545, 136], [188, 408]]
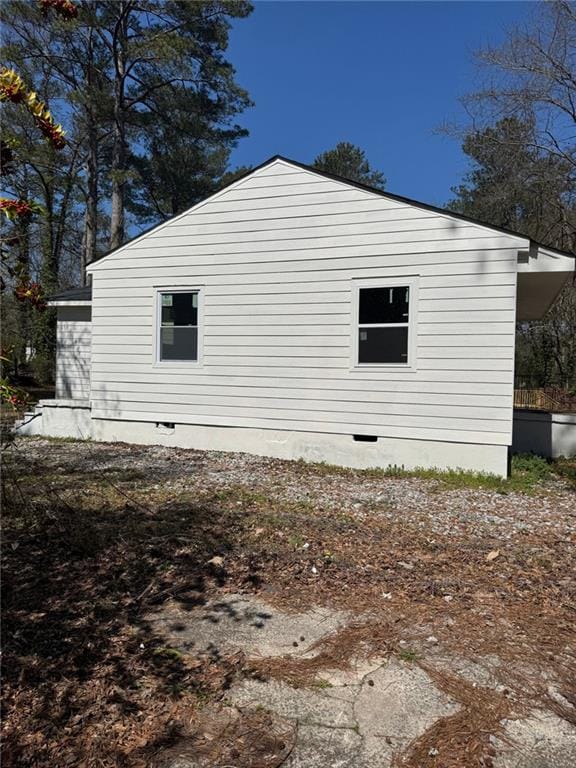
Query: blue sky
[[383, 75]]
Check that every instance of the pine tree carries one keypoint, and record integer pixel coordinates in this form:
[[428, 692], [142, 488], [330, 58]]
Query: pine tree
[[350, 162]]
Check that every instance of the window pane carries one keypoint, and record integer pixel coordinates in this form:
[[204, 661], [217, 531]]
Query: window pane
[[178, 343], [180, 309], [383, 345], [384, 305]]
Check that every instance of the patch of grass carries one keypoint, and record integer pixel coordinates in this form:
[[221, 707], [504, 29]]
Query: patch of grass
[[296, 541], [529, 465], [528, 473], [323, 468], [566, 468], [407, 655], [322, 684], [167, 653], [55, 440]]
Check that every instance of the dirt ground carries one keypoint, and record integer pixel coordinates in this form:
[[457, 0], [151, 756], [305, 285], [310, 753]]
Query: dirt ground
[[123, 567]]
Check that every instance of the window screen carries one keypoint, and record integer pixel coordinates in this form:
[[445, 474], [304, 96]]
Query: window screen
[[383, 315], [179, 326]]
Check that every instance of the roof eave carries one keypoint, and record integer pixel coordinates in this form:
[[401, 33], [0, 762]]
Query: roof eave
[[70, 303]]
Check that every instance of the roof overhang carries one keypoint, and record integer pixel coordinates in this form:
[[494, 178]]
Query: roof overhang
[[73, 297], [542, 273], [61, 303]]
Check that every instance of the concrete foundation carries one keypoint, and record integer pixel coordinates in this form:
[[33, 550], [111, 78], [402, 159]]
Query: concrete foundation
[[342, 450], [543, 433], [58, 418], [66, 418]]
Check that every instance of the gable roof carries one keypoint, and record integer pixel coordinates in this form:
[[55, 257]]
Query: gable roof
[[71, 297], [349, 182]]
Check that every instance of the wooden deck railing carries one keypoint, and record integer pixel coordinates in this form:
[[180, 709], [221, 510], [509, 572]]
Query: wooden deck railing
[[544, 399]]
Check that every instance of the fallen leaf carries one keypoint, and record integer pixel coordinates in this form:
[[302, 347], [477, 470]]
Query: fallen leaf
[[492, 555], [216, 561]]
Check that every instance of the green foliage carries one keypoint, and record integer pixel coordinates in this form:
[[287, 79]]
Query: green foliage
[[152, 105], [158, 69], [522, 149], [529, 465], [512, 184], [515, 185], [185, 105], [407, 655], [546, 349], [350, 162], [528, 474], [233, 175], [566, 468]]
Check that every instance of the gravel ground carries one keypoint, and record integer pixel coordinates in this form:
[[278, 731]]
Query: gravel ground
[[443, 510]]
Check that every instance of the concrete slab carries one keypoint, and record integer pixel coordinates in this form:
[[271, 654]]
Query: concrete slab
[[395, 704], [356, 718], [240, 622], [360, 722], [325, 748], [307, 706], [541, 741]]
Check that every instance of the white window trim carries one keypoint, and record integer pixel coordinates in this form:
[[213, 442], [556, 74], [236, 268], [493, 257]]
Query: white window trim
[[178, 364], [413, 283]]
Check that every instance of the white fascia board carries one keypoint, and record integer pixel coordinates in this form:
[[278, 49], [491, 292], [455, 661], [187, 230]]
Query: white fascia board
[[541, 259], [73, 303]]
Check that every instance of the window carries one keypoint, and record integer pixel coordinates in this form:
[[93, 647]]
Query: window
[[178, 326], [384, 313]]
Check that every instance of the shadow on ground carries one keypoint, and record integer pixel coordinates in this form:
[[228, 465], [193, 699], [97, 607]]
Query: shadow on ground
[[84, 675], [150, 592]]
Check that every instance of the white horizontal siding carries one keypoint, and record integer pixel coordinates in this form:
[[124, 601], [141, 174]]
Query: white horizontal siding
[[368, 417], [276, 256], [285, 337], [73, 350], [300, 392], [270, 405], [405, 231], [305, 255], [465, 266]]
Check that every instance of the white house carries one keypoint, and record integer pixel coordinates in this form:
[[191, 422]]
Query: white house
[[297, 314]]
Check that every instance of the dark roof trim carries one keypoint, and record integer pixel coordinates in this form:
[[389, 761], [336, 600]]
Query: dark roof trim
[[417, 203], [358, 185], [73, 294]]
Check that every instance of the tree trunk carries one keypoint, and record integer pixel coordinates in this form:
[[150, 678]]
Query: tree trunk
[[118, 181], [23, 308], [88, 252], [61, 220], [119, 134], [45, 322], [91, 218]]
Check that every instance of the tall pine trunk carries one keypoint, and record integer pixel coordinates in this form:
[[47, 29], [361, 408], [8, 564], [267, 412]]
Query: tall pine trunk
[[91, 216], [45, 322], [88, 252], [118, 171], [23, 308]]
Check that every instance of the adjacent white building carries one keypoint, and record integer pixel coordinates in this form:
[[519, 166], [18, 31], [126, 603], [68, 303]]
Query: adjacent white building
[[296, 314]]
